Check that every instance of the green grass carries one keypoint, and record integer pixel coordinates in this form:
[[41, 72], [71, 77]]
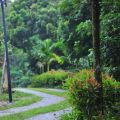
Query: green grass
[[65, 117], [19, 99], [41, 110], [33, 112], [61, 94]]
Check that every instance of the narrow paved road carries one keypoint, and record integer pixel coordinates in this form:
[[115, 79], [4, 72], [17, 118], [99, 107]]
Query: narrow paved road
[[47, 100]]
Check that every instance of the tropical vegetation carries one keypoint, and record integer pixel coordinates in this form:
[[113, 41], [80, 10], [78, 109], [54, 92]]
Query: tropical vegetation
[[69, 44]]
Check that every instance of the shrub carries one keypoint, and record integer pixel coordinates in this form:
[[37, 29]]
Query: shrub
[[49, 79], [83, 89], [73, 115]]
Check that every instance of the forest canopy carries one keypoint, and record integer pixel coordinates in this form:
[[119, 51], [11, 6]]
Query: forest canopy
[[57, 34]]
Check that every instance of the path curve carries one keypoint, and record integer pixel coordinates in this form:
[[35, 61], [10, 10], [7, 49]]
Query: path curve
[[47, 100]]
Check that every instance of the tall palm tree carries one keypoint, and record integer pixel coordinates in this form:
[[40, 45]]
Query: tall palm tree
[[46, 52]]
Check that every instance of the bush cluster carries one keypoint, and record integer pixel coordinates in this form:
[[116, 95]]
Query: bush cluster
[[83, 89], [49, 79]]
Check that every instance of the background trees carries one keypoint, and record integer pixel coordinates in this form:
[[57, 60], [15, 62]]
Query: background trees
[[29, 18], [110, 36], [78, 15], [31, 23]]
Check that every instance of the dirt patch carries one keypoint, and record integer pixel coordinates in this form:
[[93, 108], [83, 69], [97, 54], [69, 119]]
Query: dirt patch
[[3, 103]]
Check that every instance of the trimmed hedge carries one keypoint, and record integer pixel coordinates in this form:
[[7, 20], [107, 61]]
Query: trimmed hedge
[[49, 79], [83, 89]]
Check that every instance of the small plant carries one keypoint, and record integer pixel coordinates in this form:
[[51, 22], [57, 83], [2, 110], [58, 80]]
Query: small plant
[[74, 115]]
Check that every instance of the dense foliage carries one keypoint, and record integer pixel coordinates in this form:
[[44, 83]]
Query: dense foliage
[[57, 34], [31, 22], [83, 90], [49, 79], [69, 23], [110, 35]]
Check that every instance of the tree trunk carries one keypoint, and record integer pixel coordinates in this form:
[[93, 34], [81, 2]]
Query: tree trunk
[[48, 66], [43, 68], [96, 47], [4, 81]]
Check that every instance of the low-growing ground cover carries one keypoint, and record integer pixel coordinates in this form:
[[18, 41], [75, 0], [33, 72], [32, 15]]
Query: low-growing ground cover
[[30, 113], [19, 99], [53, 79]]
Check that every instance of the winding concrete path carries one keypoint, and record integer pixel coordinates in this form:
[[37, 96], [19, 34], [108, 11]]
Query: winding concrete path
[[47, 100]]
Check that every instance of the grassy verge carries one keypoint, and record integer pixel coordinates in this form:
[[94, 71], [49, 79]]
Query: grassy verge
[[65, 117], [19, 99], [61, 94], [41, 110], [33, 112]]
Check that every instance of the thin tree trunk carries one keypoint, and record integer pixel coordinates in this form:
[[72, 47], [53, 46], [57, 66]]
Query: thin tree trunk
[[5, 83], [43, 68], [96, 47], [48, 67], [4, 80]]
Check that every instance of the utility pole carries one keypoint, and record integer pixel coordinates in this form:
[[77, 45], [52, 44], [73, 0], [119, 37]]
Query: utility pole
[[3, 3]]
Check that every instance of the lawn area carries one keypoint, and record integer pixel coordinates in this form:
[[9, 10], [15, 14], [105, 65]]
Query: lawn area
[[19, 99], [37, 111], [30, 113], [61, 94]]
